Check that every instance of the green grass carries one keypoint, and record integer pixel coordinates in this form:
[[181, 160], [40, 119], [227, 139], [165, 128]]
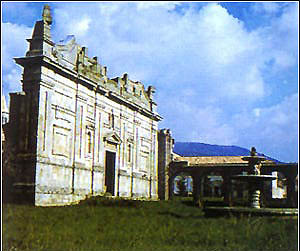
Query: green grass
[[103, 224]]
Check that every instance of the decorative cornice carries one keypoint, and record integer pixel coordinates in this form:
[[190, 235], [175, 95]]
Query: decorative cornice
[[97, 87]]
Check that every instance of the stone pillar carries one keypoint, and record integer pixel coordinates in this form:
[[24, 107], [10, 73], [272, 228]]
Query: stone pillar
[[171, 187], [227, 189], [165, 155], [196, 189], [201, 189]]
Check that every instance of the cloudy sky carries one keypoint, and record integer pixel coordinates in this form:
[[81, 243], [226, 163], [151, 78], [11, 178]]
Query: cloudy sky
[[225, 73]]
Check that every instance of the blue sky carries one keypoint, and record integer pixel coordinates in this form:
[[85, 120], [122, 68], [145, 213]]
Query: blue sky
[[226, 73]]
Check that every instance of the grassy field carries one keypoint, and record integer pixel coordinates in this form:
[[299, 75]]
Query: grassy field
[[106, 224]]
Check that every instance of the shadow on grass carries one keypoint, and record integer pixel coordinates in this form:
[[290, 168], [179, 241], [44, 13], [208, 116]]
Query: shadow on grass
[[181, 216], [188, 203], [111, 202]]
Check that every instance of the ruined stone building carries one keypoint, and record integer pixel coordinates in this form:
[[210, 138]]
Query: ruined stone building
[[75, 132]]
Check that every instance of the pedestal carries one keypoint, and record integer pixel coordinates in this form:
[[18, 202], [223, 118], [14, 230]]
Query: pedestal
[[255, 199]]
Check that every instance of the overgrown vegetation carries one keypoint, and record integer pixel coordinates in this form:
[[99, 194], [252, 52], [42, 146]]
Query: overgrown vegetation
[[107, 224]]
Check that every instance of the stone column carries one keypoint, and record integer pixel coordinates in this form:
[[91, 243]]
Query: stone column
[[201, 189], [196, 189], [227, 189], [171, 187]]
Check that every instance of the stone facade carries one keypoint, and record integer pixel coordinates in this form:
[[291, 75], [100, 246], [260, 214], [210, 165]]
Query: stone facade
[[76, 132]]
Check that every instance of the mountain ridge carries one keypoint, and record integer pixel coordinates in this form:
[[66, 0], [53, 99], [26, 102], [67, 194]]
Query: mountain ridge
[[190, 149]]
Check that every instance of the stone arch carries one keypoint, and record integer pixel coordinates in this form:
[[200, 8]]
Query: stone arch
[[183, 183], [173, 173], [211, 184], [239, 192]]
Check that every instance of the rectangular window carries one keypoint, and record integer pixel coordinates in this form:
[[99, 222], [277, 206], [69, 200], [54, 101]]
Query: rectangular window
[[129, 153], [89, 142], [144, 163]]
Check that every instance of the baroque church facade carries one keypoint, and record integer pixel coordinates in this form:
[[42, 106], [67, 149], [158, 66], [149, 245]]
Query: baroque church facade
[[77, 133]]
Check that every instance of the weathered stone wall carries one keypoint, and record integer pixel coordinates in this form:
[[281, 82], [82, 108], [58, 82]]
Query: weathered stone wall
[[87, 134], [69, 122]]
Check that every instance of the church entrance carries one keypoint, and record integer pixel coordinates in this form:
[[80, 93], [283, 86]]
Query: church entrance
[[110, 160]]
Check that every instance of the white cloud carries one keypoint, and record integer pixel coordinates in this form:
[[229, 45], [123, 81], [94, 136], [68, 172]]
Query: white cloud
[[281, 38], [205, 44], [198, 124], [13, 45], [83, 26], [151, 5], [271, 128]]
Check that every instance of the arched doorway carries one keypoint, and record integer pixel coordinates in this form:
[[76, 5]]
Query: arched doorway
[[208, 188], [183, 184]]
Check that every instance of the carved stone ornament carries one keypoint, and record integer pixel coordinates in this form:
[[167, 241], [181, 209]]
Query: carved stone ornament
[[113, 138]]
